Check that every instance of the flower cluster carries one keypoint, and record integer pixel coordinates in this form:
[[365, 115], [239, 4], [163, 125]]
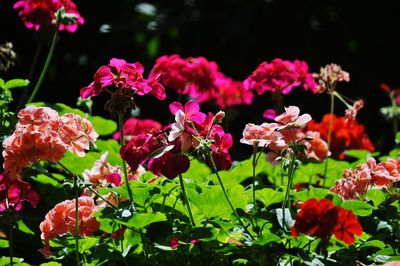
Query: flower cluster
[[281, 76], [322, 219], [97, 176], [42, 135], [166, 151], [201, 80], [329, 76], [346, 135], [61, 220], [128, 80], [278, 136], [36, 13], [355, 183], [14, 192], [351, 111], [135, 126]]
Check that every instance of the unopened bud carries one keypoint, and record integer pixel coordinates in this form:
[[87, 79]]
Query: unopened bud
[[218, 117]]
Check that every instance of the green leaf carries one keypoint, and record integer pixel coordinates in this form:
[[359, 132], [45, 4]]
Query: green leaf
[[374, 243], [24, 228], [240, 262], [51, 263], [269, 196], [17, 261], [103, 126], [87, 243], [15, 83], [140, 220], [267, 238], [63, 109], [113, 147], [359, 208], [1, 83], [4, 243], [78, 164], [377, 196]]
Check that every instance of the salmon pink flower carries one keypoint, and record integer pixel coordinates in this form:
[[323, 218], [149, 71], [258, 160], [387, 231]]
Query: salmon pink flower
[[61, 220], [352, 111], [329, 76], [36, 13], [291, 117], [261, 135], [97, 176]]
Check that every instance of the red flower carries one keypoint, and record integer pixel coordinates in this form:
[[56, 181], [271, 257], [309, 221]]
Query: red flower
[[347, 226], [135, 152], [317, 218], [174, 242], [169, 165], [36, 13], [346, 135]]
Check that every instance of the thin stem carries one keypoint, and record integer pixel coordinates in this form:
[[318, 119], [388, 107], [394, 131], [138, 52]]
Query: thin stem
[[101, 197], [76, 221], [185, 198], [226, 195], [122, 142], [394, 117], [11, 240], [288, 186], [329, 135], [254, 164], [45, 67]]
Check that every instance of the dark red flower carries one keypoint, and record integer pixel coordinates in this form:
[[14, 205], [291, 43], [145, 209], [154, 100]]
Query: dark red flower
[[174, 242], [347, 226], [169, 165], [135, 152]]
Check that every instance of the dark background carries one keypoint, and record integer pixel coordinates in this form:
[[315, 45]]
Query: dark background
[[362, 36]]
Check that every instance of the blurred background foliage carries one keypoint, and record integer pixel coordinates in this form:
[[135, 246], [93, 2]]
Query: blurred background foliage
[[362, 36]]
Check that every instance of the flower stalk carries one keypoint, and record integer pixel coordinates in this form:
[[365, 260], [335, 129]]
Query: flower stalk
[[185, 198]]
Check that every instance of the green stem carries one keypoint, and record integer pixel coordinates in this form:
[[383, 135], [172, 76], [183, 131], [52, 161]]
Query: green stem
[[76, 221], [185, 198], [329, 135], [226, 195], [288, 186], [122, 142], [10, 236], [394, 118], [254, 164], [45, 67], [101, 197]]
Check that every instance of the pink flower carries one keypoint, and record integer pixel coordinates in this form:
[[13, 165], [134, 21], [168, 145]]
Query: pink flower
[[291, 117], [100, 170], [230, 92], [351, 112], [126, 77], [270, 114], [220, 150], [329, 76], [174, 242], [41, 135], [61, 220], [14, 192], [36, 13], [317, 148], [280, 76], [261, 135], [135, 126]]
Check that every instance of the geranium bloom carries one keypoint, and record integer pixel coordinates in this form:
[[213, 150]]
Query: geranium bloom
[[14, 192], [36, 13], [346, 135], [100, 170], [291, 117], [135, 152], [61, 220], [329, 76], [322, 219], [347, 226], [126, 77], [41, 135], [355, 183], [280, 76], [352, 111], [135, 126], [261, 135]]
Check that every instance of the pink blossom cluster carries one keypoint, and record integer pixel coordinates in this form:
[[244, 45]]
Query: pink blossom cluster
[[193, 132], [97, 175], [329, 76], [13, 192], [126, 77], [352, 111], [36, 13], [281, 76], [42, 135], [135, 126], [355, 183], [201, 80], [278, 136], [61, 220]]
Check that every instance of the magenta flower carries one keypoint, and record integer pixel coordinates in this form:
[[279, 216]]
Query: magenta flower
[[36, 13], [136, 152], [14, 192], [126, 77], [280, 76]]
